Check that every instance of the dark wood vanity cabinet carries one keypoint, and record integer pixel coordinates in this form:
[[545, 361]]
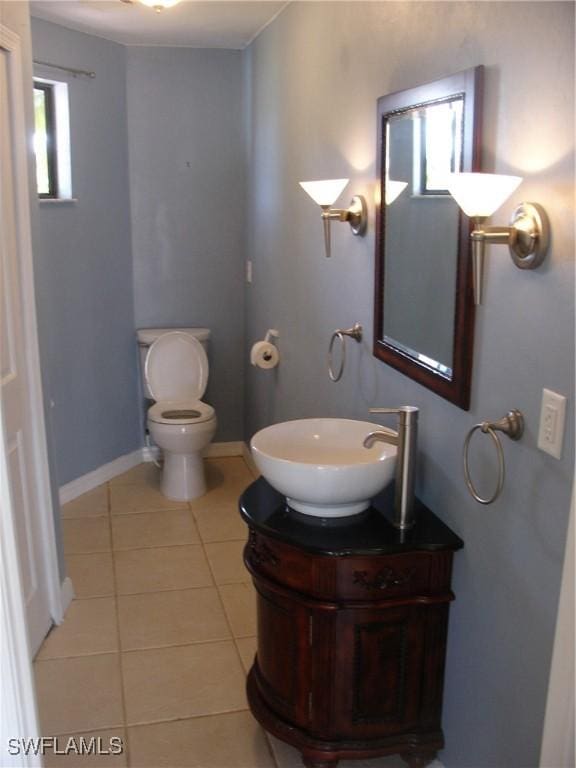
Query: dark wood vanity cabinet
[[352, 624]]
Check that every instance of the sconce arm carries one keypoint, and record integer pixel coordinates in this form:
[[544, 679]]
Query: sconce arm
[[494, 235], [341, 214], [329, 214], [356, 216]]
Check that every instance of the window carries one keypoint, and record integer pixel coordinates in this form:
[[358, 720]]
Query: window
[[52, 140], [45, 140], [438, 144]]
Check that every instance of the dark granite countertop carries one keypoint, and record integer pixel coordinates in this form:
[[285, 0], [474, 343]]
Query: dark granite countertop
[[369, 533]]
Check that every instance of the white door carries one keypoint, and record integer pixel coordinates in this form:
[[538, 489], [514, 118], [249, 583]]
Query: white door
[[15, 385]]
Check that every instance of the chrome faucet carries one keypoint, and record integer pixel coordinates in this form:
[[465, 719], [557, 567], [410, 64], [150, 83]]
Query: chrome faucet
[[405, 440]]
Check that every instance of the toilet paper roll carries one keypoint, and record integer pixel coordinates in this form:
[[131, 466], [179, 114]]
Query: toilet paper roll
[[264, 355]]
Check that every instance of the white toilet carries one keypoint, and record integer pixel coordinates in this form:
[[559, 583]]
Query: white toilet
[[175, 376]]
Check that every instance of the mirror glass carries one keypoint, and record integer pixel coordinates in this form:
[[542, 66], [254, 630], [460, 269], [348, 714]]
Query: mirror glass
[[423, 317]]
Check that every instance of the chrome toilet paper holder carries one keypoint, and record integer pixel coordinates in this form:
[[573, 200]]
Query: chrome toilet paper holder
[[271, 335]]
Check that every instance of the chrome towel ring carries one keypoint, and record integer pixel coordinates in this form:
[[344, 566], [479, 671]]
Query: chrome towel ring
[[355, 333], [512, 425]]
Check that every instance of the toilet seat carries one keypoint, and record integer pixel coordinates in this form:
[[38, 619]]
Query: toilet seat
[[178, 412], [176, 368]]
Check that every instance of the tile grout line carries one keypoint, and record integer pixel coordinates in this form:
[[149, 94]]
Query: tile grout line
[[144, 649], [119, 639], [163, 546], [81, 656], [155, 722], [228, 622], [224, 611], [222, 713], [153, 591], [194, 643], [148, 511]]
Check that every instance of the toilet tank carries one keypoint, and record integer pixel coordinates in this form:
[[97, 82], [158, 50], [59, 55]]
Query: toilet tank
[[146, 337]]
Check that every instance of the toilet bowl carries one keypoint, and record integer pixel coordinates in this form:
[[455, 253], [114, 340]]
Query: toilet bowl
[[176, 374]]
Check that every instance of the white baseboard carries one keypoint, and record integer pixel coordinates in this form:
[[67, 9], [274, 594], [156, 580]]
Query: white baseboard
[[215, 450], [66, 596], [122, 464], [98, 476]]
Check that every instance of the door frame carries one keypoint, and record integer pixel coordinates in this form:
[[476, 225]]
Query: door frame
[[57, 600]]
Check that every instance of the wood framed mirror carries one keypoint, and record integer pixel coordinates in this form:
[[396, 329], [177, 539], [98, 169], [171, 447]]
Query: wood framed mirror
[[424, 308]]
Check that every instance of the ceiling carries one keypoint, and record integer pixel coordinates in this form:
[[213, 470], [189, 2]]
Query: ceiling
[[212, 24]]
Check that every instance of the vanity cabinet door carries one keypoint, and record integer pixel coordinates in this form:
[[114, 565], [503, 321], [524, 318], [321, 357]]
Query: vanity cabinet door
[[381, 662], [283, 660]]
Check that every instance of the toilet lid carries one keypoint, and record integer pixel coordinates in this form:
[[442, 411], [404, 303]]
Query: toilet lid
[[176, 367]]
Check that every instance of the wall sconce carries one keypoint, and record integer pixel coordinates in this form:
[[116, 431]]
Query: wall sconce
[[325, 193], [479, 195]]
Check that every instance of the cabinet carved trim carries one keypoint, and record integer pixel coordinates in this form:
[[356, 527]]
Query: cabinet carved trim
[[383, 579], [260, 553]]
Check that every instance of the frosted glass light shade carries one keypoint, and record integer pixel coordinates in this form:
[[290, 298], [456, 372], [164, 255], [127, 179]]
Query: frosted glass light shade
[[324, 192], [394, 189], [480, 194], [159, 5]]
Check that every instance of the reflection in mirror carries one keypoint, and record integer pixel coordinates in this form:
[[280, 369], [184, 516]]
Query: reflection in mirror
[[422, 321], [423, 146]]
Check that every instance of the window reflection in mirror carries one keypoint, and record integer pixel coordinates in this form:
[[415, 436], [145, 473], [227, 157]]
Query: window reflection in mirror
[[438, 142]]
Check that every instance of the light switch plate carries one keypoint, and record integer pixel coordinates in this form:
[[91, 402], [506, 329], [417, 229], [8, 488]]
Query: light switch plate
[[552, 418]]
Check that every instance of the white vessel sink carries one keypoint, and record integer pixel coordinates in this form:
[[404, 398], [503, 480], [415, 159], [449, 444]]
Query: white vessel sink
[[321, 466]]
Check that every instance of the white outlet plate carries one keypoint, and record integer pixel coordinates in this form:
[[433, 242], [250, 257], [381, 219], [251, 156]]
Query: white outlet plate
[[552, 418]]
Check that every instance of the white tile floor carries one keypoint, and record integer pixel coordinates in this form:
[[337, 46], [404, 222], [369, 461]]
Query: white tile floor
[[155, 647]]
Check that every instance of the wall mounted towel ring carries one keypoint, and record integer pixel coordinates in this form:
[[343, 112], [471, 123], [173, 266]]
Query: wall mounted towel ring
[[355, 333], [512, 425]]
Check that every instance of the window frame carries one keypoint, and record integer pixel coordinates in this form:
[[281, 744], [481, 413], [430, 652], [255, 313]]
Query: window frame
[[421, 157], [52, 140]]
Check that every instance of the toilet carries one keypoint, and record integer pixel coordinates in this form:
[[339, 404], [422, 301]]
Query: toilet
[[175, 377]]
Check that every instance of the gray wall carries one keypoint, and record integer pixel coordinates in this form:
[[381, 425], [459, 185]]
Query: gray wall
[[314, 76], [84, 265], [187, 193]]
